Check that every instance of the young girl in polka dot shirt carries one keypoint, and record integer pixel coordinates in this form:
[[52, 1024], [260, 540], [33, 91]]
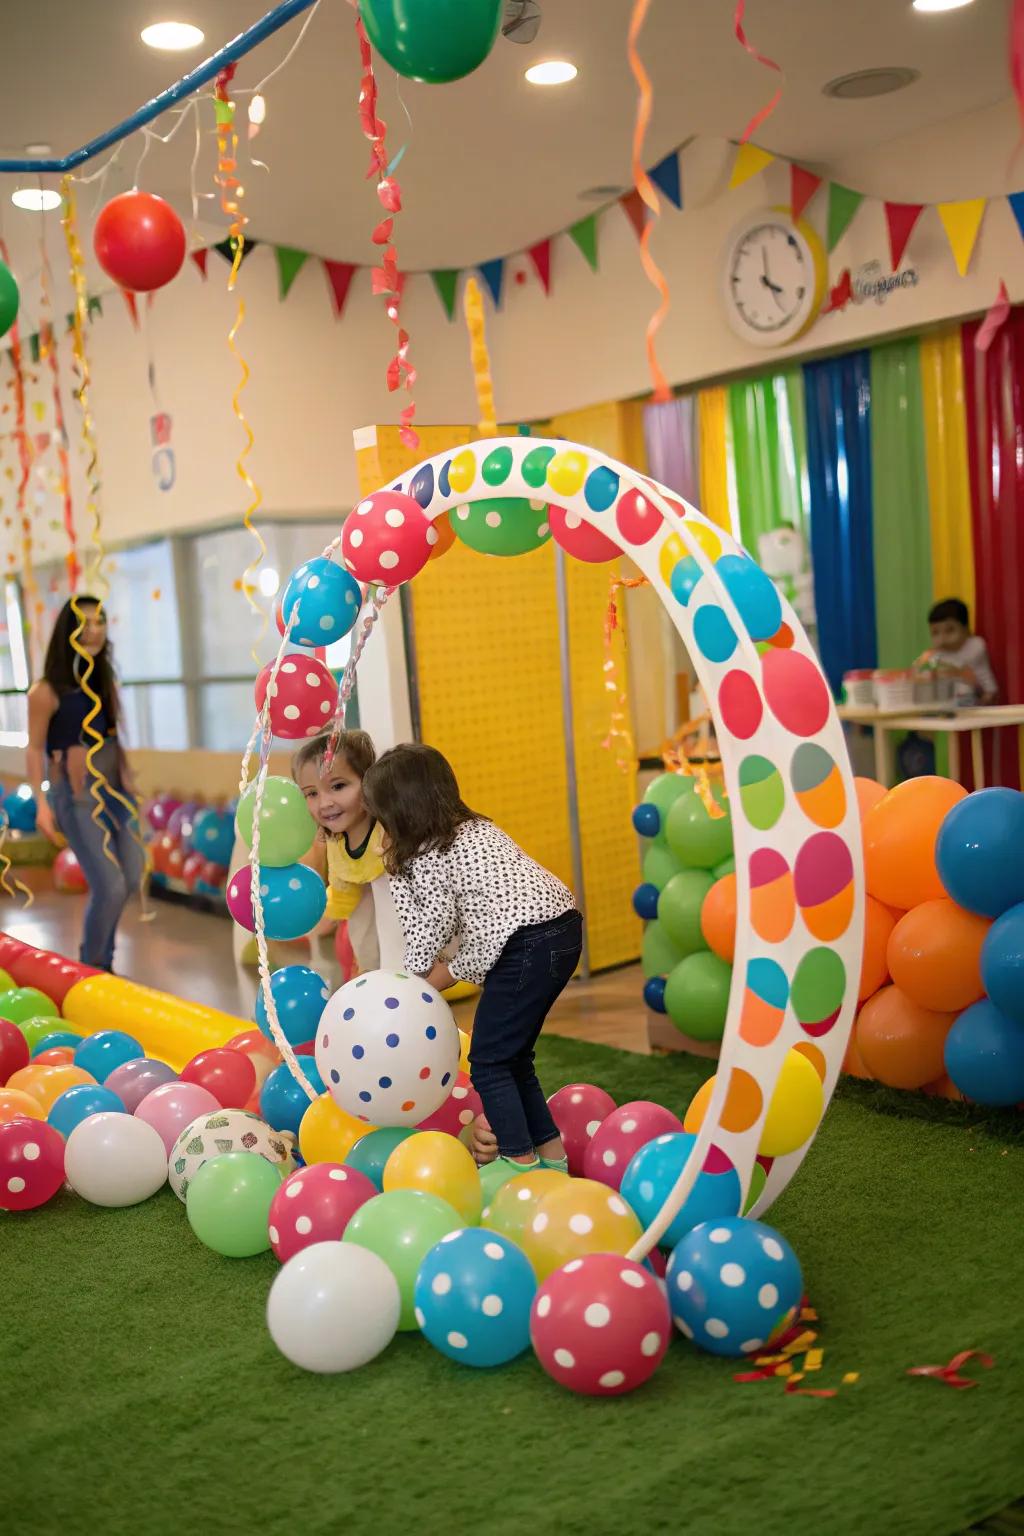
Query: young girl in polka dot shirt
[[456, 879]]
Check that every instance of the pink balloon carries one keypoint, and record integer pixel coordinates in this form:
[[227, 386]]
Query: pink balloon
[[578, 1110], [239, 898], [31, 1164], [459, 1109], [133, 1080], [315, 1205], [601, 1325], [170, 1108], [624, 1132]]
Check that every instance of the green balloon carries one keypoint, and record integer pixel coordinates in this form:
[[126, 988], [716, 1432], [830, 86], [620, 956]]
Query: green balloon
[[758, 1179], [228, 1203], [36, 1030], [727, 867], [8, 299], [494, 1175], [697, 995], [287, 829], [400, 1227], [372, 1151], [663, 792], [679, 909], [432, 40], [700, 840], [659, 865], [504, 525], [658, 954], [7, 981], [22, 1003]]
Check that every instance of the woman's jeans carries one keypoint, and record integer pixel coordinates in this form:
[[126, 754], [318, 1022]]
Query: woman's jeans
[[532, 970], [111, 880]]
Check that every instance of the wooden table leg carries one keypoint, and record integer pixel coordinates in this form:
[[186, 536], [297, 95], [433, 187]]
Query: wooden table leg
[[953, 740], [977, 760]]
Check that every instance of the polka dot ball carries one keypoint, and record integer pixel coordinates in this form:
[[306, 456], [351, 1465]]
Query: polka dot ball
[[600, 1325], [473, 1296], [732, 1284], [315, 1205], [387, 538], [302, 696]]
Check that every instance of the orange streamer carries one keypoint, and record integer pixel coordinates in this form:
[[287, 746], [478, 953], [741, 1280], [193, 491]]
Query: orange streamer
[[620, 734], [48, 348], [25, 456], [741, 38], [648, 192]]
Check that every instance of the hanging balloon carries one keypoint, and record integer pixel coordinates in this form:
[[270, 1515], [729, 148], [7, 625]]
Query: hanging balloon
[[503, 525], [139, 241], [323, 600], [302, 697], [387, 538], [579, 539], [432, 40], [8, 299], [445, 536]]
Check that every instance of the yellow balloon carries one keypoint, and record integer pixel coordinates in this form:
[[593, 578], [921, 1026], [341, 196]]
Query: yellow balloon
[[580, 1216], [437, 1164], [463, 1051], [327, 1134], [45, 1084], [795, 1109], [694, 1117], [515, 1203]]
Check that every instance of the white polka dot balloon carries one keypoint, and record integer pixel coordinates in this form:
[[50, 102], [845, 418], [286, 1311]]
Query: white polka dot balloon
[[387, 1047], [733, 1284], [387, 538], [302, 696]]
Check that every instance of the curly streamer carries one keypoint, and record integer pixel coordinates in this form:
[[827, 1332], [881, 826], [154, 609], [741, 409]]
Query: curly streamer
[[741, 37], [5, 865], [25, 456], [48, 342], [646, 188], [480, 359], [620, 734]]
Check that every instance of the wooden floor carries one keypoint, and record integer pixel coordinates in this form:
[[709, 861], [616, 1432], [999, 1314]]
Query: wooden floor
[[189, 954]]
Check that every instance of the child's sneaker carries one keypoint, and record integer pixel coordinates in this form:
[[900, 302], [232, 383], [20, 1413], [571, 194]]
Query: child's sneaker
[[555, 1164]]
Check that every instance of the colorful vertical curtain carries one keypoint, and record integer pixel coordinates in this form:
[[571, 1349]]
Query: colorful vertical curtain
[[767, 420], [712, 421], [670, 433], [838, 402], [900, 521], [949, 492]]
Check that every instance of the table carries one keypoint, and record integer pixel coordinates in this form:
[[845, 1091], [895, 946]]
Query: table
[[934, 720]]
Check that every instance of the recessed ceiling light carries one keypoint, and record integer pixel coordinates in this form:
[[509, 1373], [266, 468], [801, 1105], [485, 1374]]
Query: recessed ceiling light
[[869, 82], [36, 199], [172, 36], [552, 72], [38, 149], [941, 5]]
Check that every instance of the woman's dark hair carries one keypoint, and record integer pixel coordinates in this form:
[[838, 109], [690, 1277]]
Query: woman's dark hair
[[64, 668], [356, 747], [414, 794]]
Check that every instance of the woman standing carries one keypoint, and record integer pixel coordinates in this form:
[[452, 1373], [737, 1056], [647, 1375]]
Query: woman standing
[[57, 746]]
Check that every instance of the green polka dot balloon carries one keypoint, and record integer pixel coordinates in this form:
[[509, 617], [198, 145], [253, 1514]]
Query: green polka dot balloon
[[502, 525]]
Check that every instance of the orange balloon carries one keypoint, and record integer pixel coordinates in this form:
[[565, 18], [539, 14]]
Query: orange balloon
[[56, 1056], [943, 1088], [900, 1042], [16, 1105], [45, 1084], [899, 840], [445, 536], [852, 1062], [879, 923], [698, 1106], [869, 792], [935, 955], [718, 918]]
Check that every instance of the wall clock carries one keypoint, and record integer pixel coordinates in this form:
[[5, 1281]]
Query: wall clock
[[775, 278]]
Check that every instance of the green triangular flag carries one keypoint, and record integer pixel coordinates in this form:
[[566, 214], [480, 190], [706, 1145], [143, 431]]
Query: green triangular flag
[[584, 235], [446, 282], [842, 205], [33, 346], [95, 305], [289, 264]]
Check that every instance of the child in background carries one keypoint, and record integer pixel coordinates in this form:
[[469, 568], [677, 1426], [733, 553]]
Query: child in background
[[455, 877], [954, 649]]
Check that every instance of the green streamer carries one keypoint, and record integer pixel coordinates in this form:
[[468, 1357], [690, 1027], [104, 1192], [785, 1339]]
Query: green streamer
[[900, 527], [769, 455]]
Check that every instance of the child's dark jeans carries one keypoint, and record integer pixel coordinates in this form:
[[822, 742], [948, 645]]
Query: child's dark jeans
[[521, 988]]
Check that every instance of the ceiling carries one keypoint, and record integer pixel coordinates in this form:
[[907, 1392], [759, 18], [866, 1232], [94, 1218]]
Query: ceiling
[[492, 163]]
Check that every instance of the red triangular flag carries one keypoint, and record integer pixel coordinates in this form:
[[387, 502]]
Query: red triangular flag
[[802, 187], [129, 299], [540, 255], [901, 218], [339, 276], [635, 211], [199, 257]]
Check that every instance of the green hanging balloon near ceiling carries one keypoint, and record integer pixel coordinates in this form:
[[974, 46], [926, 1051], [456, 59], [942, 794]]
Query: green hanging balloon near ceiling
[[8, 299], [502, 525], [432, 40]]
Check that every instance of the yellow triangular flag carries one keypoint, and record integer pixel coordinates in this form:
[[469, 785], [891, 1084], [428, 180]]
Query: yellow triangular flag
[[749, 160], [961, 221]]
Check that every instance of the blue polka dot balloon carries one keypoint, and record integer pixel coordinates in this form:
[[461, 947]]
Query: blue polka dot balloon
[[732, 1284], [473, 1297], [324, 599], [652, 1173], [299, 995]]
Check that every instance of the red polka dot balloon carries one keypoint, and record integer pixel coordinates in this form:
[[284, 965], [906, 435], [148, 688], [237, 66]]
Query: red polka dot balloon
[[459, 1110], [624, 1132], [579, 539], [387, 538], [578, 1110], [600, 1325], [302, 697], [31, 1164], [315, 1205]]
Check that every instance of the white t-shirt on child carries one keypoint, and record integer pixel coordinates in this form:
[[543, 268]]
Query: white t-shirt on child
[[971, 656]]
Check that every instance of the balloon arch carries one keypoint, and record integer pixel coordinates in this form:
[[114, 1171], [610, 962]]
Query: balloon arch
[[799, 863]]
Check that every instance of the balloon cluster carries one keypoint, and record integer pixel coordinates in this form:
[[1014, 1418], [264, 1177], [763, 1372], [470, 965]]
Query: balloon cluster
[[191, 843]]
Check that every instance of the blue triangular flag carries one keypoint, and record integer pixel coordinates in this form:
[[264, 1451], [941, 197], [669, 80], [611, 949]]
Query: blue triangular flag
[[666, 178], [1016, 202], [493, 273]]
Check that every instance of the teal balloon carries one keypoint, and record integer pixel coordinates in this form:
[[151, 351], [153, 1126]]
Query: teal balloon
[[659, 866], [658, 954], [663, 792], [372, 1151], [287, 829], [679, 909], [9, 299], [697, 996], [432, 40], [701, 841]]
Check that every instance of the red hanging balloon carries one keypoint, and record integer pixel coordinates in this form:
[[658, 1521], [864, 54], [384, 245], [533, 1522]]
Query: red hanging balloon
[[139, 241]]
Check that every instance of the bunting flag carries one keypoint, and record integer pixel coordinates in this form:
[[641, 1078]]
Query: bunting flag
[[1016, 202], [901, 218], [226, 248], [962, 221], [493, 274], [131, 306], [632, 205], [842, 205], [750, 161], [802, 187], [540, 255], [446, 282], [583, 235], [34, 347], [339, 277], [290, 263], [199, 257], [667, 177]]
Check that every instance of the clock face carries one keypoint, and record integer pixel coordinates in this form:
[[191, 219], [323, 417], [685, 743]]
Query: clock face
[[770, 281]]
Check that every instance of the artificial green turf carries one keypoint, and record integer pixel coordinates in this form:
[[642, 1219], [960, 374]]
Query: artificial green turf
[[141, 1390]]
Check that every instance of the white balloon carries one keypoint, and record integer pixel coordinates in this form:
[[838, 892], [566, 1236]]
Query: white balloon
[[225, 1130], [333, 1307], [115, 1160], [387, 1047]]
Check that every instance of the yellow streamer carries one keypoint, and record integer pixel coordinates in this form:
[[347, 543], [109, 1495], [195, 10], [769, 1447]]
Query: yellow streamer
[[5, 865], [714, 472], [949, 494], [473, 306]]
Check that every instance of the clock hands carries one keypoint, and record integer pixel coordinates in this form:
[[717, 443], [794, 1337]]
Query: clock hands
[[766, 282]]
